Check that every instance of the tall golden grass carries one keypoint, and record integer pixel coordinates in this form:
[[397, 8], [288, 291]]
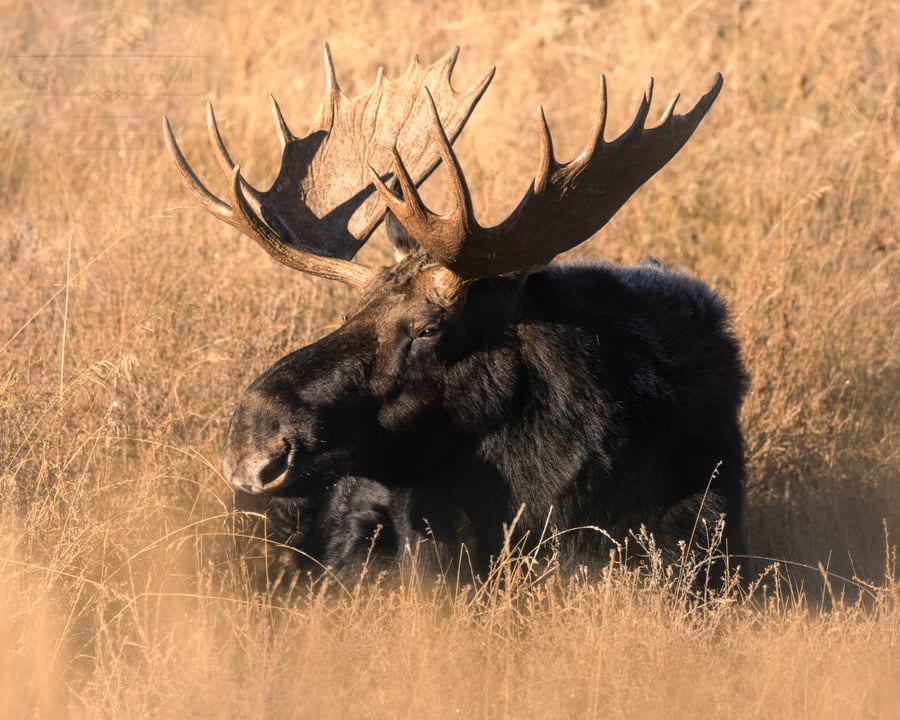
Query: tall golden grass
[[131, 322]]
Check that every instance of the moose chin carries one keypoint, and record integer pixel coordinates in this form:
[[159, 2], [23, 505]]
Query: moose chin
[[473, 381]]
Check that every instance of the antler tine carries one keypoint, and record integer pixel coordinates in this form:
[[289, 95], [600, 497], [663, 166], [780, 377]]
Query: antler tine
[[325, 116], [546, 162], [201, 194], [331, 83], [640, 118], [670, 108], [449, 61], [463, 198], [284, 132], [411, 202], [215, 137], [599, 127]]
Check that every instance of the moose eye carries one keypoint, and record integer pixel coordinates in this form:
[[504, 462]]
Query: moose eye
[[429, 331]]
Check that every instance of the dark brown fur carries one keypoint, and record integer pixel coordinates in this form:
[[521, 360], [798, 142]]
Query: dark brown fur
[[593, 394]]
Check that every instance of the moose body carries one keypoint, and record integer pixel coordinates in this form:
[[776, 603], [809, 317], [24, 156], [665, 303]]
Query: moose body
[[469, 383], [594, 395]]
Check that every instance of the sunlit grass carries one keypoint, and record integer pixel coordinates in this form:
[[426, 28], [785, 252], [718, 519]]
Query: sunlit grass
[[131, 322]]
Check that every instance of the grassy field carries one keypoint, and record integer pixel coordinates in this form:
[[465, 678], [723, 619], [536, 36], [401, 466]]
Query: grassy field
[[131, 321]]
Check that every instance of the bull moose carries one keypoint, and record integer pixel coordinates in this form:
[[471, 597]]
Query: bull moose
[[473, 380]]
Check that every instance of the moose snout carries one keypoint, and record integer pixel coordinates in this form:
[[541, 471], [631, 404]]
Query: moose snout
[[265, 443], [258, 471]]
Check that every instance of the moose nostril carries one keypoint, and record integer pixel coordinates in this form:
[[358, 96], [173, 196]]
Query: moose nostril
[[276, 466]]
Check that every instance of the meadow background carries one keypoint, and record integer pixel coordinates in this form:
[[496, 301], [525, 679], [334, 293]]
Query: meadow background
[[130, 322]]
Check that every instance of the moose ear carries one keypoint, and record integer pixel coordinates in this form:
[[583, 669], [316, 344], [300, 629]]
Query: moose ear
[[400, 238]]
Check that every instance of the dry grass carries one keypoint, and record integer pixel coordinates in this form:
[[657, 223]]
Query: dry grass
[[131, 322]]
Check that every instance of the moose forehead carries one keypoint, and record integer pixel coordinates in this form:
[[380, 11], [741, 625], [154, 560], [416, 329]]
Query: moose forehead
[[414, 290]]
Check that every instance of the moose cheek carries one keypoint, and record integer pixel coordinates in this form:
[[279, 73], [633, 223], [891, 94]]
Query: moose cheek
[[405, 412]]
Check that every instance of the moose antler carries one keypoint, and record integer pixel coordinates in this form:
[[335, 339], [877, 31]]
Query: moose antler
[[323, 207], [566, 203]]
